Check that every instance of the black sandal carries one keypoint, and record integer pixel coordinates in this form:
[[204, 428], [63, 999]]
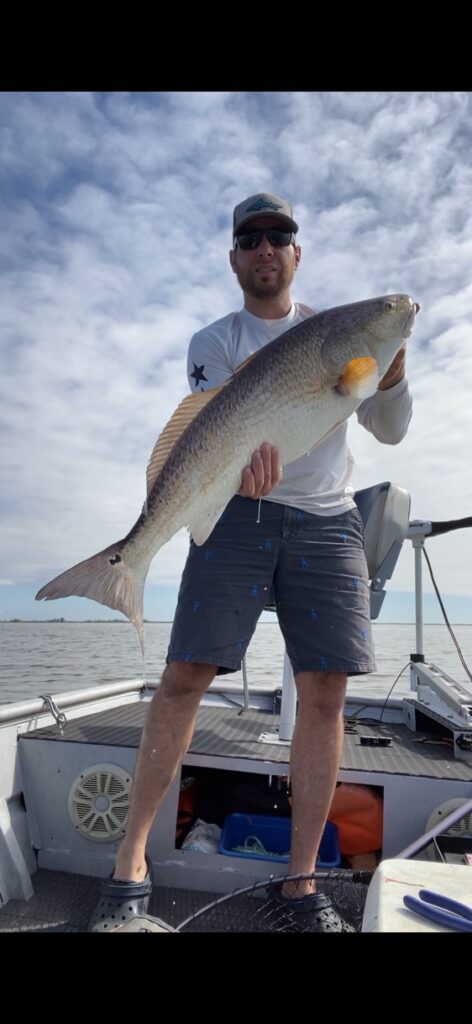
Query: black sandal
[[311, 913], [121, 902]]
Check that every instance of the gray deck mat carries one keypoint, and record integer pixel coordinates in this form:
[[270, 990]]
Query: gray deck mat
[[64, 902], [223, 732]]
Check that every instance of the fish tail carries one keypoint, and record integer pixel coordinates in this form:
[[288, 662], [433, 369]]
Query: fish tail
[[107, 578]]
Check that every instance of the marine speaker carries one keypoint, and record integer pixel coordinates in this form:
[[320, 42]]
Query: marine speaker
[[99, 802], [464, 826]]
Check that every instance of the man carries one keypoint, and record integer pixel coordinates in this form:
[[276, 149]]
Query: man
[[305, 540]]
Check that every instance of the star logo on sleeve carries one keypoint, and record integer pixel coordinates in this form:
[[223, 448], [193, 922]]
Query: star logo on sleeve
[[198, 373]]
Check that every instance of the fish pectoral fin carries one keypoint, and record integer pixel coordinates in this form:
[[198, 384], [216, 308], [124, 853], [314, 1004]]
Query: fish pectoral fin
[[201, 527], [179, 421], [360, 378]]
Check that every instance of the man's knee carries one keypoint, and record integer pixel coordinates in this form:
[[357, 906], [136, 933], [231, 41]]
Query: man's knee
[[325, 692], [181, 678]]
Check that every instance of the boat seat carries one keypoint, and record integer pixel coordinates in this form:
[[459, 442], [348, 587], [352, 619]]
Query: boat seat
[[385, 511]]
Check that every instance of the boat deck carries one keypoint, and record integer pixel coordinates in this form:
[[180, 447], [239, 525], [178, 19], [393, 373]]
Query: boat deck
[[415, 773], [224, 733], [65, 903]]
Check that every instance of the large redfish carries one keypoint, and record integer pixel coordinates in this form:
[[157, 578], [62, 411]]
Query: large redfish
[[292, 393]]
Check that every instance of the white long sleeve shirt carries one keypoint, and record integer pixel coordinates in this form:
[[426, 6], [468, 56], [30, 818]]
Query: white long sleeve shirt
[[319, 482]]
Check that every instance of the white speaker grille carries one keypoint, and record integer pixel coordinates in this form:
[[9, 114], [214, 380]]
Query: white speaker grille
[[464, 826], [99, 802]]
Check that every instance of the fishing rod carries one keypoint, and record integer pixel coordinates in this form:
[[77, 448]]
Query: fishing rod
[[426, 528]]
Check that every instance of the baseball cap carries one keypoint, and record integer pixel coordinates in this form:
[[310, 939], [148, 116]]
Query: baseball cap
[[261, 203]]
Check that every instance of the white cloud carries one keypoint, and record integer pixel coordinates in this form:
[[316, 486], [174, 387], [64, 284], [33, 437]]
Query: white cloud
[[115, 232]]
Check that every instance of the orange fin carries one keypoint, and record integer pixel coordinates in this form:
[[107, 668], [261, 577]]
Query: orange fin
[[360, 378]]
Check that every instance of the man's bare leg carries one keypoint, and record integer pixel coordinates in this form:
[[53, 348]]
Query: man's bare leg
[[314, 762], [167, 732]]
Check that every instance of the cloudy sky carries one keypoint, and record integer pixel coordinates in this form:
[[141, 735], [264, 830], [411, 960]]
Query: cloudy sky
[[115, 228]]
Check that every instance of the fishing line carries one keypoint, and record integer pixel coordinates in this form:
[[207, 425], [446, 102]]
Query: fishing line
[[143, 651]]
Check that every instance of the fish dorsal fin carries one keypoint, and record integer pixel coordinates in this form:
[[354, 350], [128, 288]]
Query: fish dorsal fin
[[179, 421], [360, 378], [173, 430]]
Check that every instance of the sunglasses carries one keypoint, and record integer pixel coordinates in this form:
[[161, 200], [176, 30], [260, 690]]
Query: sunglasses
[[252, 239]]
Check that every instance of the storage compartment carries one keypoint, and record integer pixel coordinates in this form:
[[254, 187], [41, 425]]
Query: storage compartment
[[454, 849], [261, 837], [212, 794]]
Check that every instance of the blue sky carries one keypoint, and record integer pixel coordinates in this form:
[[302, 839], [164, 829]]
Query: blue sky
[[116, 223]]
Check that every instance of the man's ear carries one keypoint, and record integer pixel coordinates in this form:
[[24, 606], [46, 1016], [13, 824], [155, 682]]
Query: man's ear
[[232, 259], [298, 255]]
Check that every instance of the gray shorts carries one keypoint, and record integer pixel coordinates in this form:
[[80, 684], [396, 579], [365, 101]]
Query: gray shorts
[[312, 567]]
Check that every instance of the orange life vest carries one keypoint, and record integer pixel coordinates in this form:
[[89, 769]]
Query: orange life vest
[[358, 813]]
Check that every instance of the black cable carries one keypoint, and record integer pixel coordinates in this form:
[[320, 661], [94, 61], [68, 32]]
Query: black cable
[[391, 688], [353, 718], [448, 624], [375, 721]]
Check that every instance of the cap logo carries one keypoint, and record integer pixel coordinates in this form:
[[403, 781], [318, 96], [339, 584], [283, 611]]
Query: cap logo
[[263, 204]]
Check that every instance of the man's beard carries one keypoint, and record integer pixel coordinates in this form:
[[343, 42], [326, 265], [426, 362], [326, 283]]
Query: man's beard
[[248, 280]]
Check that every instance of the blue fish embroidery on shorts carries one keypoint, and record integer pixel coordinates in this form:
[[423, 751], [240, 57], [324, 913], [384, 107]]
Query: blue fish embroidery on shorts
[[323, 663], [255, 590], [188, 656], [343, 537], [195, 606], [240, 644], [356, 583], [364, 634], [208, 554], [304, 563], [314, 615], [299, 516], [267, 545]]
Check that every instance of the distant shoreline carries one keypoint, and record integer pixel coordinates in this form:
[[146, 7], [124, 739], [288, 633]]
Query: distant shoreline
[[46, 622], [166, 622]]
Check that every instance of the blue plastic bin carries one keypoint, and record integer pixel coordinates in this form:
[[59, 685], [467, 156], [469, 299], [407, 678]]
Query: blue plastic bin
[[250, 830]]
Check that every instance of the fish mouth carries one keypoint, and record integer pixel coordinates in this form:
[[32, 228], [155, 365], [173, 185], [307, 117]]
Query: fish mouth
[[410, 320]]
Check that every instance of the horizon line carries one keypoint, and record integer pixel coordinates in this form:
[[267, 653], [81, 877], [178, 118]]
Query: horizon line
[[125, 622]]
